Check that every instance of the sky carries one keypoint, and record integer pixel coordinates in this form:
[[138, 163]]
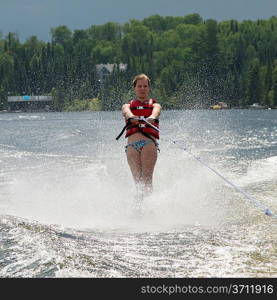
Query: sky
[[37, 17]]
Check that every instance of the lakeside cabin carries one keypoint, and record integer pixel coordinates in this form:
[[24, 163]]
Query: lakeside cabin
[[104, 70], [30, 103]]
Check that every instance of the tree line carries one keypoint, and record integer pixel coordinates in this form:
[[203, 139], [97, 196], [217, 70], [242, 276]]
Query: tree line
[[192, 62]]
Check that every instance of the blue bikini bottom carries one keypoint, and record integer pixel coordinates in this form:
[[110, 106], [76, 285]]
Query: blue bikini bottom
[[138, 145]]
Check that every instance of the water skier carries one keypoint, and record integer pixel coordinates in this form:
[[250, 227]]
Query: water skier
[[142, 146]]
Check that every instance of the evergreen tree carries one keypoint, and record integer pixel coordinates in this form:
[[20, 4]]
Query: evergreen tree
[[254, 88], [274, 86]]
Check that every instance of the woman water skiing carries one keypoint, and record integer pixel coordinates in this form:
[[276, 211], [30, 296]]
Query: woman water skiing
[[142, 146]]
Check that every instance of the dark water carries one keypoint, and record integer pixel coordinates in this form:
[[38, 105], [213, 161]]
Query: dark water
[[66, 197]]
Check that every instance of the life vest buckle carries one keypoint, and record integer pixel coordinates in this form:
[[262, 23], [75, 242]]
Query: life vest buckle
[[141, 125]]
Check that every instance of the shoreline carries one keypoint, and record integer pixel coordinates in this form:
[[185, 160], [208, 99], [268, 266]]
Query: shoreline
[[210, 109]]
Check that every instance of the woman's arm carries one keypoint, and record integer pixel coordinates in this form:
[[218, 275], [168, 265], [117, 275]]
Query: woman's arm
[[126, 111], [156, 111]]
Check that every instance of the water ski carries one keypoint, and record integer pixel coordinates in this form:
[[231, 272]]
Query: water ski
[[138, 204]]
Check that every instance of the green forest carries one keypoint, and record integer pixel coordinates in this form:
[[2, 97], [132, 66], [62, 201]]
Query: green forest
[[192, 63]]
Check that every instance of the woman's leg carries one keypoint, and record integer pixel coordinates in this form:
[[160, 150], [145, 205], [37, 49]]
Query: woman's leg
[[133, 158], [148, 160]]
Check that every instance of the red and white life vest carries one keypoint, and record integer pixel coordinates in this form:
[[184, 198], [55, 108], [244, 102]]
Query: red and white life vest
[[144, 109]]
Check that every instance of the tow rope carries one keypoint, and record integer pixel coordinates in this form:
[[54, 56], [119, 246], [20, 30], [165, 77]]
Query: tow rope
[[266, 210]]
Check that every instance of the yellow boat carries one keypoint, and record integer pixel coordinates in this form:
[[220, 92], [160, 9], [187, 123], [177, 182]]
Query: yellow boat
[[216, 106]]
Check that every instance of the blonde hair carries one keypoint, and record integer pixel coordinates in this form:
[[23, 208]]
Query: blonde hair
[[140, 77]]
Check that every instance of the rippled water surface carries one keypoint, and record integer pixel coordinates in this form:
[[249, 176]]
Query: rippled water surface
[[66, 197]]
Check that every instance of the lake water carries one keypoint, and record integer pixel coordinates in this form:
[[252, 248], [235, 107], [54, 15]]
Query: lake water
[[66, 196]]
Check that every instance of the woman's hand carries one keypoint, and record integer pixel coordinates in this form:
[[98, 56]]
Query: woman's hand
[[133, 120], [151, 120]]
